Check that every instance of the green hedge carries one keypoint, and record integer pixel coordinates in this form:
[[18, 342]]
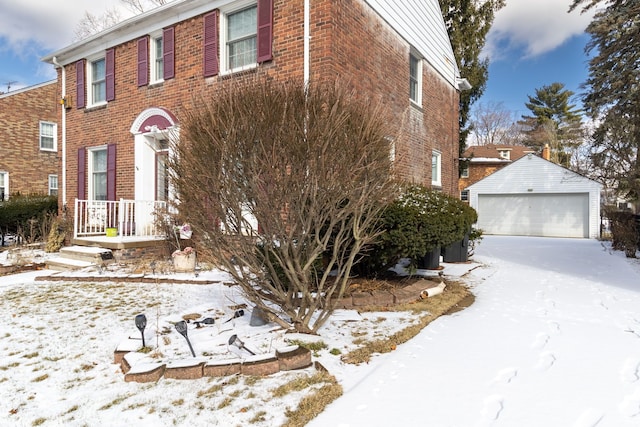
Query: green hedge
[[19, 214], [417, 222]]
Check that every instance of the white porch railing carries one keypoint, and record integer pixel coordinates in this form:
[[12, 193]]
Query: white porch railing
[[131, 218]]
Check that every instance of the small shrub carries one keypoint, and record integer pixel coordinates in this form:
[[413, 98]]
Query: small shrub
[[419, 221]]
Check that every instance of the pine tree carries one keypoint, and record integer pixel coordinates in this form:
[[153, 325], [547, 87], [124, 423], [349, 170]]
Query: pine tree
[[612, 90], [468, 22], [554, 121]]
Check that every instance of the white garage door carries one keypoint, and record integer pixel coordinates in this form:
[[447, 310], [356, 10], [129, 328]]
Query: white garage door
[[549, 215]]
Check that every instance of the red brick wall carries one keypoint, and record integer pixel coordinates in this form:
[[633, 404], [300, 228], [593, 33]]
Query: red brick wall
[[339, 30], [20, 155]]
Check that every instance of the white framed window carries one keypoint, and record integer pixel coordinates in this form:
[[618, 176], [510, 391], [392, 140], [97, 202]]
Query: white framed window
[[48, 132], [156, 59], [98, 173], [436, 169], [415, 79], [464, 171], [239, 33], [464, 195], [53, 185], [4, 185], [96, 81], [505, 154]]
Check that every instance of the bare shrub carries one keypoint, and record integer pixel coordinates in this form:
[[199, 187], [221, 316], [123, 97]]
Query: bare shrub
[[282, 185]]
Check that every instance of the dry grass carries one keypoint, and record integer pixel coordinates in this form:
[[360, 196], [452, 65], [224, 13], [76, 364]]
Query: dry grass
[[455, 297], [314, 403]]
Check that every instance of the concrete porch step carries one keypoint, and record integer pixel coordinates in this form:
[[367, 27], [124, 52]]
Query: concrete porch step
[[77, 257]]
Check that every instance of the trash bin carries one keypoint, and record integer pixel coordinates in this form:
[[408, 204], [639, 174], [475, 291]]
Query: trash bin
[[456, 251], [430, 260]]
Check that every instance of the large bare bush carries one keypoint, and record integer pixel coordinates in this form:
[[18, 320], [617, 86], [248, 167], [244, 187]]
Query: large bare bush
[[311, 166]]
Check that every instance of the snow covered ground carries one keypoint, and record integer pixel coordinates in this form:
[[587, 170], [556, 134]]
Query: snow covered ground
[[553, 339]]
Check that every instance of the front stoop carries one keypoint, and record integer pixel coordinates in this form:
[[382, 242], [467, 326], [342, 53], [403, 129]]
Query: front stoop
[[78, 257]]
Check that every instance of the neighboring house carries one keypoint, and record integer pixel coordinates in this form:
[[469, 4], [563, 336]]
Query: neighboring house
[[480, 161], [29, 141], [125, 88], [535, 197]]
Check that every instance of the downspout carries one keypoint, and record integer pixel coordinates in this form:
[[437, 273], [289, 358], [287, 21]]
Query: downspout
[[306, 37], [64, 135]]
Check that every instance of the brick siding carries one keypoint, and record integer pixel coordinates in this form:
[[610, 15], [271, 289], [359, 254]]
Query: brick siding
[[20, 155], [339, 31]]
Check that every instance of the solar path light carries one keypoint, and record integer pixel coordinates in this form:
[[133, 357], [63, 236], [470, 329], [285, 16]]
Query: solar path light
[[238, 313], [141, 323], [181, 327], [234, 340]]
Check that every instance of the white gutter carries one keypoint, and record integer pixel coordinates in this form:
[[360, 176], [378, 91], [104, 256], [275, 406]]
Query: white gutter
[[64, 133], [307, 38]]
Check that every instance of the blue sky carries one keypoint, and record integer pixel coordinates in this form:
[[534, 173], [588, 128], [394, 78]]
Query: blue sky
[[532, 43]]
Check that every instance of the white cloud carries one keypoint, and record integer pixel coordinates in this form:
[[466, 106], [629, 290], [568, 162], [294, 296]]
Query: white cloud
[[533, 26], [45, 24]]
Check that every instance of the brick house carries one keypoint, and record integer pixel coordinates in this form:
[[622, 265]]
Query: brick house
[[125, 88], [480, 161], [29, 140]]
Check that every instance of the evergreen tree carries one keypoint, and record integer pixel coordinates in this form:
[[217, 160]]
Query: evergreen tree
[[468, 22], [554, 121], [612, 90]]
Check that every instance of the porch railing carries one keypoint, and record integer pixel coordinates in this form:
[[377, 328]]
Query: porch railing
[[127, 218]]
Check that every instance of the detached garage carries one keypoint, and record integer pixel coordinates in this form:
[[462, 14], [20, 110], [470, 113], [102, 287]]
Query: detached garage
[[535, 197]]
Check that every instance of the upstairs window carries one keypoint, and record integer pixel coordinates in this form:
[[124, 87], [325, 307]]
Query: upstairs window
[[97, 81], [464, 171], [241, 38], [48, 132], [157, 60], [415, 79], [505, 154]]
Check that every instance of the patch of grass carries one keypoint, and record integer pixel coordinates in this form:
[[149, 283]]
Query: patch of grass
[[225, 402], [178, 402], [211, 390], [31, 355], [311, 405], [40, 378], [301, 383], [252, 380], [258, 417], [444, 303], [116, 401], [72, 409], [38, 421], [335, 351], [312, 346]]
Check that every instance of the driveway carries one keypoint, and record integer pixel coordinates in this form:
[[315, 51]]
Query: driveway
[[553, 339]]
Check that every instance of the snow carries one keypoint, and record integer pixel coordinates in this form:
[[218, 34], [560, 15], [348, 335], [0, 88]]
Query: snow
[[552, 339]]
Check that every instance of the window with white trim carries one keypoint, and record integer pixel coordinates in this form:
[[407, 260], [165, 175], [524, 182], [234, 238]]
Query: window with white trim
[[96, 81], [98, 174], [464, 170], [156, 59], [4, 185], [415, 79], [48, 131], [464, 195], [239, 37], [436, 169], [53, 185]]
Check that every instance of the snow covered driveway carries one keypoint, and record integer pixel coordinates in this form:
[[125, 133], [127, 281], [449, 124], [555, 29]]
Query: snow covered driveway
[[553, 339]]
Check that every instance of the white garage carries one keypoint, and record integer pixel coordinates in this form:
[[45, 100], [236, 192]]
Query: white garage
[[535, 197]]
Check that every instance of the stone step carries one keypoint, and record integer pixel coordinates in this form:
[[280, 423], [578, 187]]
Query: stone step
[[90, 254], [78, 257], [66, 264]]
